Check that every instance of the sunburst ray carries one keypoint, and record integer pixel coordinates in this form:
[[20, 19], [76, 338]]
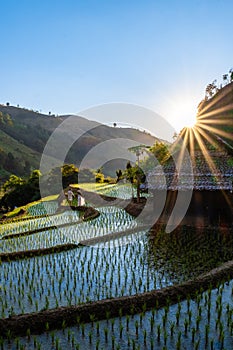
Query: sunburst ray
[[216, 131], [214, 100], [215, 121], [204, 149], [207, 136], [216, 112]]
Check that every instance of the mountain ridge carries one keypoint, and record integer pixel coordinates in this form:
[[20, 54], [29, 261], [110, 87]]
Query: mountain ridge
[[24, 134]]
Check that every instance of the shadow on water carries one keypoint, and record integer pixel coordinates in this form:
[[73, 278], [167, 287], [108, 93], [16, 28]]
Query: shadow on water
[[188, 251]]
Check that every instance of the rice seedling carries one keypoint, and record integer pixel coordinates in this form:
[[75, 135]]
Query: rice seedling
[[128, 330], [121, 267]]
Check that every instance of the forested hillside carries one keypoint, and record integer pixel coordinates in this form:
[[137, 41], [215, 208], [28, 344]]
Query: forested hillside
[[24, 134]]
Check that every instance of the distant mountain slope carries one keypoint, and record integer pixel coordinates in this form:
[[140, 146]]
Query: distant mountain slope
[[24, 134], [11, 149], [216, 115]]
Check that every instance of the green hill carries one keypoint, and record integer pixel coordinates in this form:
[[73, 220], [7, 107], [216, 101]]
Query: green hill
[[24, 134]]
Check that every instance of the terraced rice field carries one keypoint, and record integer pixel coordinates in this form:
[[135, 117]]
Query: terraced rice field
[[204, 322], [134, 263]]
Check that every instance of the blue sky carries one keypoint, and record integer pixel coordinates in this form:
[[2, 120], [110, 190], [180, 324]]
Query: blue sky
[[65, 56]]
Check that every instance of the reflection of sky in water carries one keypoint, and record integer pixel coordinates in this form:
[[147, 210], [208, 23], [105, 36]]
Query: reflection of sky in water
[[148, 325], [132, 264]]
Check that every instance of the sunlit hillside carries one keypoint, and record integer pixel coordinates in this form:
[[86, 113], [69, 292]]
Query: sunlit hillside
[[24, 134], [215, 115]]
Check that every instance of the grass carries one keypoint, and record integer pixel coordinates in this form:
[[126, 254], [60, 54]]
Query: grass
[[123, 191], [9, 144], [93, 186]]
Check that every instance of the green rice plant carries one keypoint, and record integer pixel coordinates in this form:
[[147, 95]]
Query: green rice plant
[[193, 333], [196, 345], [158, 332], [28, 333], [178, 343], [90, 337], [106, 334], [1, 343]]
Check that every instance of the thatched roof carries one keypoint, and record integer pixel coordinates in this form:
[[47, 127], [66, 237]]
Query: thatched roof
[[212, 173], [209, 144]]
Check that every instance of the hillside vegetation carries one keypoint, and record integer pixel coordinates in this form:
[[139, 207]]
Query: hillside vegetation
[[24, 134], [216, 114]]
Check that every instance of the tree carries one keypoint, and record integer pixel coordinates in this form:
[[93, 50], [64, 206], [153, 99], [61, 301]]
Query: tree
[[140, 178], [225, 78], [33, 180], [99, 176], [12, 183], [231, 75], [19, 192], [160, 151], [69, 174], [136, 172], [211, 89], [8, 119], [34, 175], [119, 175], [135, 175], [32, 187], [114, 124], [13, 192], [129, 172]]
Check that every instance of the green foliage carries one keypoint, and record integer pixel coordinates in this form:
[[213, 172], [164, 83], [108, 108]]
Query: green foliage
[[109, 180], [13, 183], [230, 162], [8, 162], [99, 176], [69, 174], [119, 175], [157, 154], [18, 192], [135, 175], [129, 172], [160, 151], [25, 133], [5, 118]]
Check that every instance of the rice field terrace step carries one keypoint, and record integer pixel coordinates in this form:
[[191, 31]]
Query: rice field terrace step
[[127, 305], [36, 252], [42, 229], [111, 236]]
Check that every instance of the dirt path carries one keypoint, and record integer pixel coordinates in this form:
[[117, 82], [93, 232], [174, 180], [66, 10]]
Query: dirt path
[[130, 205]]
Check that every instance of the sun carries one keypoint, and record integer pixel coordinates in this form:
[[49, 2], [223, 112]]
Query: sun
[[185, 111], [191, 121], [182, 111]]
